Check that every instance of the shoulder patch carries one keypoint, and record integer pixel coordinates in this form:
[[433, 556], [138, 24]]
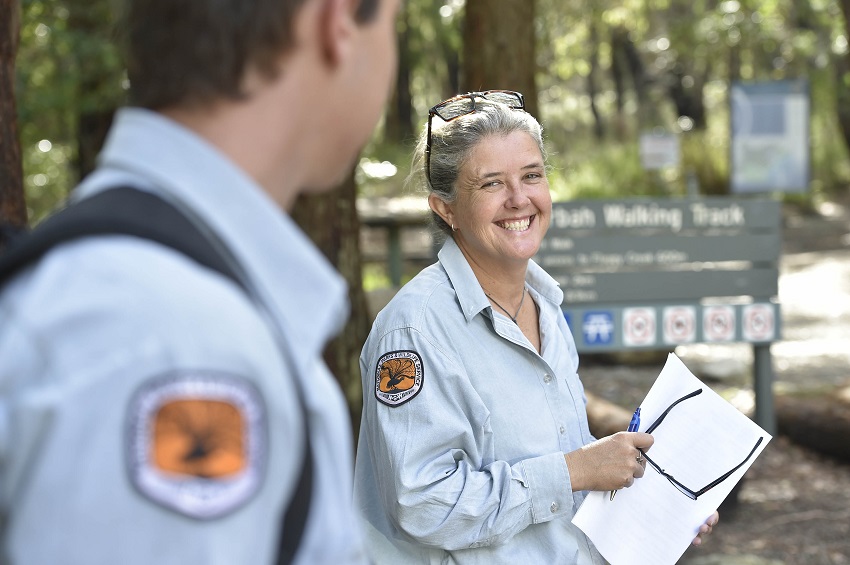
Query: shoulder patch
[[197, 443], [398, 377]]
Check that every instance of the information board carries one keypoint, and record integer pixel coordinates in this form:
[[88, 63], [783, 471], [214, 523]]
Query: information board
[[770, 136], [654, 273]]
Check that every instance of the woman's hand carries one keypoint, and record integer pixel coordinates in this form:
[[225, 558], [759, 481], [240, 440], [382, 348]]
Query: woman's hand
[[706, 528], [610, 463]]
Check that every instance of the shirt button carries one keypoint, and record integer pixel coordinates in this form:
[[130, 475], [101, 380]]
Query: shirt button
[[563, 430], [554, 507], [547, 378]]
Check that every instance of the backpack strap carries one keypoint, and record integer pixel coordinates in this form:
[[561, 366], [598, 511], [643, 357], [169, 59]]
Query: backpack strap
[[133, 212]]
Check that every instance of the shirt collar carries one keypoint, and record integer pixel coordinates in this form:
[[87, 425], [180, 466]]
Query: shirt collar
[[292, 277], [471, 296]]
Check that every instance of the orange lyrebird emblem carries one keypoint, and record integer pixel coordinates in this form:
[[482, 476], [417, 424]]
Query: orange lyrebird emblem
[[203, 438], [397, 374], [197, 442], [398, 377]]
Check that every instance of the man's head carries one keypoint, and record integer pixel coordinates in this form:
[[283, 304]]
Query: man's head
[[290, 90], [187, 52]]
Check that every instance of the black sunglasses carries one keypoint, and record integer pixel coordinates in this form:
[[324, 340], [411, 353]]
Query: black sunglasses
[[464, 104], [692, 494]]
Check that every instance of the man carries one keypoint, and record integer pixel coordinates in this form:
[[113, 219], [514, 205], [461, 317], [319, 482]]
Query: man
[[149, 406]]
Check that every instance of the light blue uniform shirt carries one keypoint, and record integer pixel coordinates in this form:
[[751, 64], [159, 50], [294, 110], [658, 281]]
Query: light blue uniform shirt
[[99, 319], [471, 468]]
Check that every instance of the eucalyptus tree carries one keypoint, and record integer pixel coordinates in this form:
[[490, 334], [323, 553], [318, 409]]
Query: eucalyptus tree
[[499, 48], [13, 214]]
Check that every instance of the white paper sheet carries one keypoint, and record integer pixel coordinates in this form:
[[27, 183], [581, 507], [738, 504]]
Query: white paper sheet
[[701, 439]]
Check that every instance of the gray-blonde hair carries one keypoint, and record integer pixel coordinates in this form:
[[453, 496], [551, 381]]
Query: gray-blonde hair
[[453, 141]]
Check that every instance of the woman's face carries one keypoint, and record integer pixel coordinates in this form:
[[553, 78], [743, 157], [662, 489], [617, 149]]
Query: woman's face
[[503, 206]]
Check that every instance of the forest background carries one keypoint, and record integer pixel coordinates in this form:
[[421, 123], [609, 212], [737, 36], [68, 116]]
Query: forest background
[[596, 73]]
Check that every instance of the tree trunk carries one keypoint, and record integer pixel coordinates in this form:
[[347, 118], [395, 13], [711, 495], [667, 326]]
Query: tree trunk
[[331, 221], [605, 418], [499, 48], [592, 89], [624, 49], [13, 210], [688, 100], [399, 121], [821, 423], [93, 120], [618, 76], [842, 97], [842, 83]]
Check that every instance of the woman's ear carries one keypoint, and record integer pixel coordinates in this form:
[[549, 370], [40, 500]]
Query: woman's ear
[[441, 208]]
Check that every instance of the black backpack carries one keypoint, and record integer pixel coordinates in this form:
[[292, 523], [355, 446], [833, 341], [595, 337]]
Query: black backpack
[[128, 211]]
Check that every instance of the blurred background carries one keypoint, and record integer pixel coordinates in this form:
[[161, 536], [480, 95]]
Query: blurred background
[[604, 77]]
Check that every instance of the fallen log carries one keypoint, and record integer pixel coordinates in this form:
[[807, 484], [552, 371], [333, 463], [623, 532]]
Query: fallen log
[[605, 418], [821, 423]]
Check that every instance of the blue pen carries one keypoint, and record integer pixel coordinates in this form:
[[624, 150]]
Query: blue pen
[[635, 423], [633, 427]]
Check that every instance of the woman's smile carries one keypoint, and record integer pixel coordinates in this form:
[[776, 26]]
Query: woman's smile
[[516, 225]]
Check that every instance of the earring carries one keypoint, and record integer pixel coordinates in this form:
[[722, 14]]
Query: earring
[[454, 228]]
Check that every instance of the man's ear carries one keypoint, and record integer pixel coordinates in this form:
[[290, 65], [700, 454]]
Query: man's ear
[[441, 208], [337, 29]]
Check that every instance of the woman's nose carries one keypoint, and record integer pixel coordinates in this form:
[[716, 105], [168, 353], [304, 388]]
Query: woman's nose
[[517, 197]]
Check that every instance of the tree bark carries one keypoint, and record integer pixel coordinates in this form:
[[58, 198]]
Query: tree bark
[[592, 89], [821, 423], [605, 418], [499, 48], [13, 210], [331, 221], [628, 56], [399, 121], [93, 120], [842, 83], [618, 76]]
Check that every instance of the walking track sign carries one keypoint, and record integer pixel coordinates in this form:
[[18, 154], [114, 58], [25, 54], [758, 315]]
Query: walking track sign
[[657, 273]]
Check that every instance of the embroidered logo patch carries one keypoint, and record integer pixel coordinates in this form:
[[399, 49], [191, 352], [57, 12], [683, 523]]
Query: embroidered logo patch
[[398, 377], [197, 443]]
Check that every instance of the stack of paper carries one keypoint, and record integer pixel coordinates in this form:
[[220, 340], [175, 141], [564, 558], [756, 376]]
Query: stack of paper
[[699, 440]]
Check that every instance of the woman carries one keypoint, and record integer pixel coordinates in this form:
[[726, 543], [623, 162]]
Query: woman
[[474, 444]]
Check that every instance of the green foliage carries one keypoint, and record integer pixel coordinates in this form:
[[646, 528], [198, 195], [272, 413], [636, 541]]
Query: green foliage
[[601, 171], [67, 65]]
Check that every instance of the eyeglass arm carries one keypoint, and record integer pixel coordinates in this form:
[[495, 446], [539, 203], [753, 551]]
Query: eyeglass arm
[[664, 414]]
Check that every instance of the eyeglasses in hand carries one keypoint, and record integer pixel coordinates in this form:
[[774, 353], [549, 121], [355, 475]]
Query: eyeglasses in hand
[[690, 493], [464, 104]]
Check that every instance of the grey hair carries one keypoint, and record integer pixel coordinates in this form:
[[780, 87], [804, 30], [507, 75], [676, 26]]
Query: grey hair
[[453, 141]]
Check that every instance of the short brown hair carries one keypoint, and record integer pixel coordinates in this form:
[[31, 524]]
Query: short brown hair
[[197, 51]]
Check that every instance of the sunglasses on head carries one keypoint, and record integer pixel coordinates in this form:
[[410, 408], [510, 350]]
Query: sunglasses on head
[[464, 104]]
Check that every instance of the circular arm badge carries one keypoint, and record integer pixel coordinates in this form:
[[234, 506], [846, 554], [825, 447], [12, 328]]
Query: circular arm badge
[[197, 443], [398, 377]]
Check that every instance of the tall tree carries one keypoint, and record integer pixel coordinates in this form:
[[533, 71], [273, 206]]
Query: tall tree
[[13, 211], [398, 125], [99, 75], [842, 71], [690, 68], [593, 74], [499, 48], [332, 223]]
